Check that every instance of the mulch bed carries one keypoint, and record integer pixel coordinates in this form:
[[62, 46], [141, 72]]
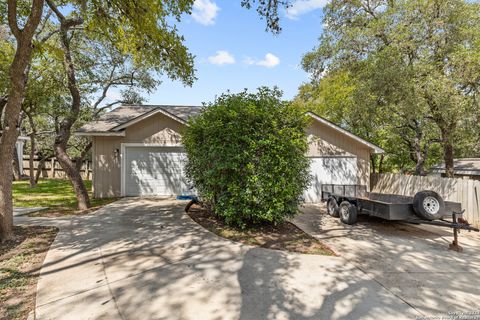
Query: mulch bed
[[285, 236], [20, 262]]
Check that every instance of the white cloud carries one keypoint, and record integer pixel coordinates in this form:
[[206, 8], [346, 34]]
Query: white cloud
[[300, 7], [205, 11], [222, 57], [269, 61]]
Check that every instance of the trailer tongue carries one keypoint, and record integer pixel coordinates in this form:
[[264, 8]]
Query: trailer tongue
[[426, 207]]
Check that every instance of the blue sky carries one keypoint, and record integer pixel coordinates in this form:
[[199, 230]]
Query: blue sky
[[233, 51]]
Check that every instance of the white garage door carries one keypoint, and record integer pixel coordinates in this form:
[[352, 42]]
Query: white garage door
[[154, 171], [330, 170]]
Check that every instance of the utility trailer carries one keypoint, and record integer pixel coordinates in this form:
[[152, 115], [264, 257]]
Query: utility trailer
[[426, 207]]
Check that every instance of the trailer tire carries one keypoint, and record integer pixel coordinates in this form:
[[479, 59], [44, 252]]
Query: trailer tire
[[348, 212], [428, 205], [332, 207]]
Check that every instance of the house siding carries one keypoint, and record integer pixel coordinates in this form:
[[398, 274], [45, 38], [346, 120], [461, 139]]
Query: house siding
[[161, 129], [158, 129], [326, 141]]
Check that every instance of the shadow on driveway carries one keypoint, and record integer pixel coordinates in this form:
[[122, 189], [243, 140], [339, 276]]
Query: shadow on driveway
[[146, 259]]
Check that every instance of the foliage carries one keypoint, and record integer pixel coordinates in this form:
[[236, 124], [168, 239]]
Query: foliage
[[415, 65], [246, 157]]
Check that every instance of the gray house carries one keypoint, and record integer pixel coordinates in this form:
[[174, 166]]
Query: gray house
[[466, 168], [137, 151]]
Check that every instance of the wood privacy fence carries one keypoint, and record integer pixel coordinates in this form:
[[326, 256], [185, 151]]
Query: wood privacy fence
[[465, 191], [52, 169]]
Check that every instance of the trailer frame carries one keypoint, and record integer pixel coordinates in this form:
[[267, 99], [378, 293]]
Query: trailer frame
[[395, 208]]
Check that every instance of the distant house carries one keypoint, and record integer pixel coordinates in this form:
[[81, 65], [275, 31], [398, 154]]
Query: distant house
[[466, 168], [19, 145]]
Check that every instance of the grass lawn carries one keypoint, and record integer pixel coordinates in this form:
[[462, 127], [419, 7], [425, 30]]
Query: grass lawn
[[55, 194], [285, 236], [20, 263]]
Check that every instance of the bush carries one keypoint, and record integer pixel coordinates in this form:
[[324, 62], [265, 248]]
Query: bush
[[246, 157]]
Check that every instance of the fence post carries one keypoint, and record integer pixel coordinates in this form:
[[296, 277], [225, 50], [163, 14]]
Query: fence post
[[52, 167]]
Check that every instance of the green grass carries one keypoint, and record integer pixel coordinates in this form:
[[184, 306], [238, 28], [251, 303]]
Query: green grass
[[55, 194]]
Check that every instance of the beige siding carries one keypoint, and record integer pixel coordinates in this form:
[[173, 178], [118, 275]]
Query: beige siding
[[324, 140], [158, 129]]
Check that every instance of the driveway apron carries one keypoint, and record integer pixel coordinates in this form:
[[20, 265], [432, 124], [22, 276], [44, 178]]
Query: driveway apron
[[146, 259]]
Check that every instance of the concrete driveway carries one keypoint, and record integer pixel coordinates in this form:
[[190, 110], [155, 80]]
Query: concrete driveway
[[411, 262], [146, 259]]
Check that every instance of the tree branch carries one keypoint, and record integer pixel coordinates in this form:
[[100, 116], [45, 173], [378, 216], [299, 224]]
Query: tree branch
[[12, 18]]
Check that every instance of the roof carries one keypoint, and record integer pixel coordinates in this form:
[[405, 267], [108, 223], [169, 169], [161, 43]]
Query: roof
[[375, 148], [113, 122], [463, 166]]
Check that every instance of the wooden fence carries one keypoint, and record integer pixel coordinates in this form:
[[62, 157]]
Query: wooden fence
[[52, 169], [465, 191]]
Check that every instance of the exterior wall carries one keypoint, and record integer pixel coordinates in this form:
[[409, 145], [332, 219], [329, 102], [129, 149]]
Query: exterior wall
[[158, 129], [326, 141]]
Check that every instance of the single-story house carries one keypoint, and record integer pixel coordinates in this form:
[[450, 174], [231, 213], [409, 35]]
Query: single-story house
[[466, 168], [19, 146], [137, 151]]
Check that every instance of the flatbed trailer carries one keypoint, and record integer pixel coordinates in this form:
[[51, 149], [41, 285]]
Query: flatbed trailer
[[426, 207]]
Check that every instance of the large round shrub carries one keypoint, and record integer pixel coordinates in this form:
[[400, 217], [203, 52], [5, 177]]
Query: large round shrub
[[246, 157]]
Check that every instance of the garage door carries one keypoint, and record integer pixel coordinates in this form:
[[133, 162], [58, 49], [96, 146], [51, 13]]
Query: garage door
[[330, 170], [154, 171]]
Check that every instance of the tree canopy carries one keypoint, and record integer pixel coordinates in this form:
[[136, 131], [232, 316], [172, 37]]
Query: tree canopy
[[413, 67]]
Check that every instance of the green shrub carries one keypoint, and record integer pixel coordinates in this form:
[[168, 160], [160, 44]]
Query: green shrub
[[246, 157]]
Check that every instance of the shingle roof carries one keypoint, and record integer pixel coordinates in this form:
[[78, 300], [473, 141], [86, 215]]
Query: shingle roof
[[126, 113], [465, 166]]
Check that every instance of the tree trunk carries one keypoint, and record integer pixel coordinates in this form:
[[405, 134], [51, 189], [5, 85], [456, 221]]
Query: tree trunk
[[372, 162], [380, 165], [17, 175], [81, 158], [33, 136], [65, 126], [18, 79], [448, 158], [74, 175], [40, 166]]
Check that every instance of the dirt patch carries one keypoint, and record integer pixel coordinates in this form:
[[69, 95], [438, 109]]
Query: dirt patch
[[20, 263], [285, 236]]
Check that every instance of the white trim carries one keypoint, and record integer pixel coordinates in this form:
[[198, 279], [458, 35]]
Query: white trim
[[147, 115], [101, 134], [124, 146], [375, 148]]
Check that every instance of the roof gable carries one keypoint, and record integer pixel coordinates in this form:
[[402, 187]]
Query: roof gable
[[375, 148], [113, 122]]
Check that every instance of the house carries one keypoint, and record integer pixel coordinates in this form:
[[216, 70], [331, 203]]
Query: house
[[137, 151], [466, 168], [19, 146]]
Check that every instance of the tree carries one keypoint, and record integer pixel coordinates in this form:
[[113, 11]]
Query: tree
[[17, 81], [419, 59], [246, 157], [145, 29]]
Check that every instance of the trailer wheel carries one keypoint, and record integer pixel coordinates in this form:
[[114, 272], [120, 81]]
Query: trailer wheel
[[348, 212], [428, 205], [332, 207]]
